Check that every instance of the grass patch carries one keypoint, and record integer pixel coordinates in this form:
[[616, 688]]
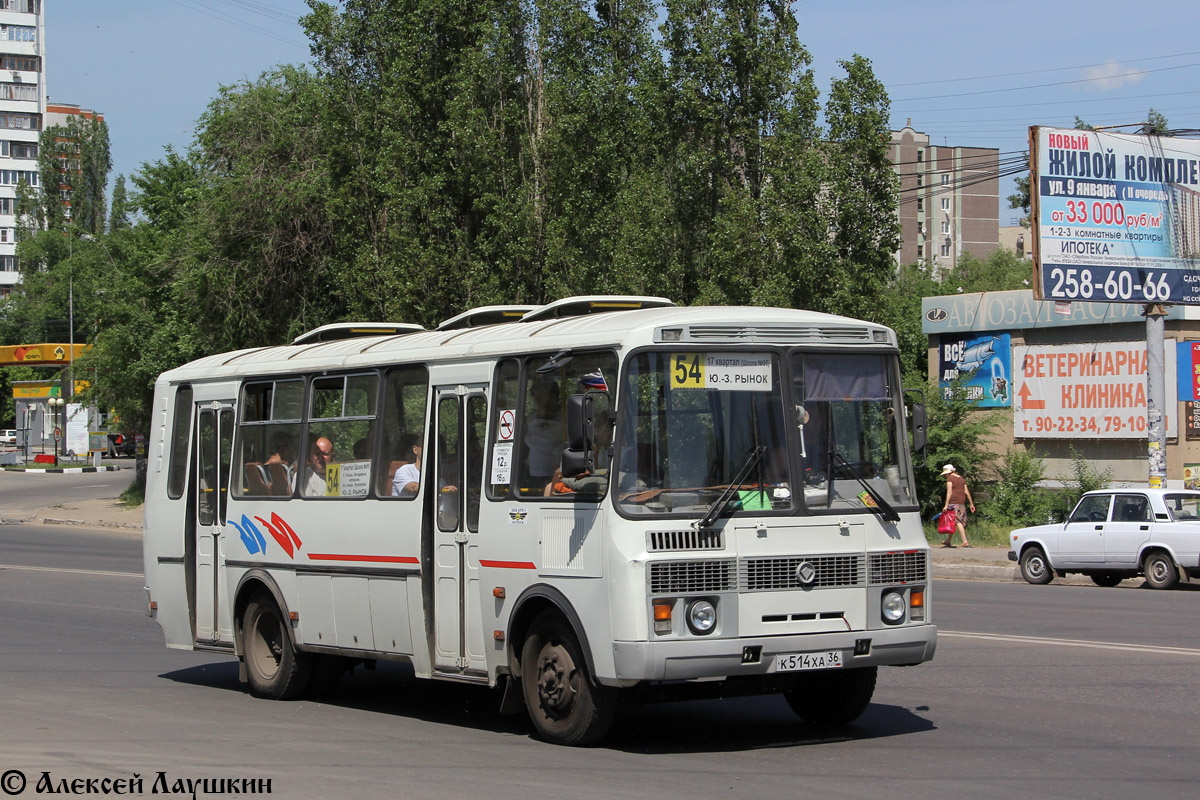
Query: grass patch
[[134, 494], [980, 533]]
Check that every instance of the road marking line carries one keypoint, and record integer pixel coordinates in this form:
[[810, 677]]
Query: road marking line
[[1140, 648], [75, 571]]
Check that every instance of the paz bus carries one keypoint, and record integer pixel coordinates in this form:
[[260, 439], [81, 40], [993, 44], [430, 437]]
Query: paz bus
[[594, 501]]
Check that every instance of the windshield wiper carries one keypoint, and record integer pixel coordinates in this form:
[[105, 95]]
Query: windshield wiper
[[884, 509], [721, 504]]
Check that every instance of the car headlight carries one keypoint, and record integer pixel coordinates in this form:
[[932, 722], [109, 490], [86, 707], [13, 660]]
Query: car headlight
[[892, 609], [702, 617]]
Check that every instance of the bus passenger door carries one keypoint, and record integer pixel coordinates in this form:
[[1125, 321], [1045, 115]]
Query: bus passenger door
[[214, 438], [461, 421]]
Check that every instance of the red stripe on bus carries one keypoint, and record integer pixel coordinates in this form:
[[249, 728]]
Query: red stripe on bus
[[508, 564], [348, 557]]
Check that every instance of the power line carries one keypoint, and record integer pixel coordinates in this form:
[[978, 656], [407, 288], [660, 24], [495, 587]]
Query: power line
[[1044, 85], [1039, 71]]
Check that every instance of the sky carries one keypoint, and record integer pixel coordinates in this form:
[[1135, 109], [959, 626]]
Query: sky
[[966, 72]]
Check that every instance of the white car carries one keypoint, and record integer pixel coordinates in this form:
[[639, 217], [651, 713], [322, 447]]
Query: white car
[[8, 436], [1116, 534]]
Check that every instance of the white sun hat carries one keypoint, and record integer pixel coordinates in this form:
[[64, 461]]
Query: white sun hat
[[946, 470]]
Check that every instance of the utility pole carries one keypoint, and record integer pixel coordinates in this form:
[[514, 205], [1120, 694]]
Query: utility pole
[[1156, 394]]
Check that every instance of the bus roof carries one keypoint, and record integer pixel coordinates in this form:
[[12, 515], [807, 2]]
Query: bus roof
[[685, 325]]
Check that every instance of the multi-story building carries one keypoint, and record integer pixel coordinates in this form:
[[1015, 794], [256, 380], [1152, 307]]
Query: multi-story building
[[22, 106], [949, 199]]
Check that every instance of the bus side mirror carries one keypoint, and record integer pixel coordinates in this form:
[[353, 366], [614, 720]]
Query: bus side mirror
[[914, 401], [581, 435], [581, 432], [918, 428]]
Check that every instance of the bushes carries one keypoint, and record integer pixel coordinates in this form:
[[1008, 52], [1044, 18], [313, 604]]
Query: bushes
[[1016, 500]]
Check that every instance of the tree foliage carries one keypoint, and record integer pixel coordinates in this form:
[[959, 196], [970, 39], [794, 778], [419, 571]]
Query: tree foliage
[[444, 154]]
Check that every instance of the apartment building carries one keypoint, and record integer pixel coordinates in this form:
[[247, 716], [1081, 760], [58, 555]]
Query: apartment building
[[22, 106], [949, 199]]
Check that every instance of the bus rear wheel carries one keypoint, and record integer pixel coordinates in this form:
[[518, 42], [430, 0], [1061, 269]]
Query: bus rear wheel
[[274, 669], [833, 697], [563, 704]]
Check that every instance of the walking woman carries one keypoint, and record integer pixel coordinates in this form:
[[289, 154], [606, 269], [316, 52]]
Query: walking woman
[[958, 499]]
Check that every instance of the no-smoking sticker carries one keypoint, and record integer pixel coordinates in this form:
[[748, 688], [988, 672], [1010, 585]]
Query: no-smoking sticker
[[508, 423]]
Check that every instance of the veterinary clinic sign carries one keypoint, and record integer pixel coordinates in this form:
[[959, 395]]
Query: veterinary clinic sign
[[1085, 391]]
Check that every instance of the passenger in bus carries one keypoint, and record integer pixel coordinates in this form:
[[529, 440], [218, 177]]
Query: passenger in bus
[[319, 456], [407, 479], [544, 432], [281, 465]]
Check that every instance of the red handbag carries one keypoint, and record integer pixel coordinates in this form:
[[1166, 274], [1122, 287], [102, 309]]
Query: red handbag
[[946, 521]]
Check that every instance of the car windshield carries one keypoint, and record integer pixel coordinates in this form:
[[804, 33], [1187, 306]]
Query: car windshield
[[690, 420], [1184, 507]]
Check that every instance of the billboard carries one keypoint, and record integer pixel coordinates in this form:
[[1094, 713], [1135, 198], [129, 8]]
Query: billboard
[[1086, 391], [982, 362], [1116, 217]]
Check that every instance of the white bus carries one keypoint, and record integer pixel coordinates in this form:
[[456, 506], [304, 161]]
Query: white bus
[[595, 500]]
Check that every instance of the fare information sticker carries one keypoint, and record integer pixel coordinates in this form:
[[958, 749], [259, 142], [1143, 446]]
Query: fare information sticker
[[740, 372]]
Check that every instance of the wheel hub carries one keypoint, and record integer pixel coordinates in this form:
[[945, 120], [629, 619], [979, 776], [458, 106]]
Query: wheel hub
[[555, 671]]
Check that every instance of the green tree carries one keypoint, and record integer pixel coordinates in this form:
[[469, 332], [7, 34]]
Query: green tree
[[863, 221], [76, 156], [118, 215], [1156, 124], [958, 434]]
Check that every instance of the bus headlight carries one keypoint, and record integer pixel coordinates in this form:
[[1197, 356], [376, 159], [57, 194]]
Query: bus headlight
[[702, 617], [892, 608]]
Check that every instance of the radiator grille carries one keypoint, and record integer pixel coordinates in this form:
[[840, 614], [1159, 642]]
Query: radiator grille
[[680, 577], [769, 574], [903, 567], [784, 334], [661, 541]]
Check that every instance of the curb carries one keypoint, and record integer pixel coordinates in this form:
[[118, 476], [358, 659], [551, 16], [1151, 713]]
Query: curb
[[91, 524], [67, 470], [976, 572]]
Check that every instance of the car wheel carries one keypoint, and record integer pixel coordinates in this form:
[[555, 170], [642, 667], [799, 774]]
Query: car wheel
[[1034, 567], [1160, 570], [1106, 579]]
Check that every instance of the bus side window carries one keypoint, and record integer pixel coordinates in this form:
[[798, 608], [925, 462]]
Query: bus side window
[[181, 426], [267, 452], [505, 401], [341, 435], [405, 400]]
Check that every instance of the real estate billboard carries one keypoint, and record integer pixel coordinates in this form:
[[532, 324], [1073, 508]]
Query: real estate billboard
[[1116, 217]]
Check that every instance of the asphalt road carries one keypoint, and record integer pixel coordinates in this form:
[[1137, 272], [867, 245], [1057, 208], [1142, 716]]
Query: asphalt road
[[23, 493], [1050, 691]]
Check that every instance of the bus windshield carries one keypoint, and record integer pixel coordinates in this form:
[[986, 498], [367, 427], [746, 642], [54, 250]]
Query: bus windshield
[[691, 421]]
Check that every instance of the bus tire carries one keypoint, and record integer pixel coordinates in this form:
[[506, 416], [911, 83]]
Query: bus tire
[[1035, 568], [833, 697], [1160, 570], [563, 704], [274, 669]]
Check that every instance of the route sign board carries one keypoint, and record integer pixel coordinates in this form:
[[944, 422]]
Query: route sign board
[[1116, 217]]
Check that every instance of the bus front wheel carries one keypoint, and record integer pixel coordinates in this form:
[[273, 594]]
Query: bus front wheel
[[563, 704], [833, 697], [274, 669]]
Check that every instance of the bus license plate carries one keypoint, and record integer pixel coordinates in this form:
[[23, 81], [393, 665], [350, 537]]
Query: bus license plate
[[792, 662]]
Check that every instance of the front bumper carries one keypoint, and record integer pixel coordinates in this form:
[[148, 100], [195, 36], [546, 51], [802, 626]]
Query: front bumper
[[721, 658]]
